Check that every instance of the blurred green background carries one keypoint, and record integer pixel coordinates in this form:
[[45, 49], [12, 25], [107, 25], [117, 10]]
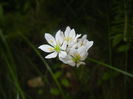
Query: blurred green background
[[25, 74]]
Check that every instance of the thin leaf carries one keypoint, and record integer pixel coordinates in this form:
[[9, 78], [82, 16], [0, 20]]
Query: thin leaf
[[111, 67]]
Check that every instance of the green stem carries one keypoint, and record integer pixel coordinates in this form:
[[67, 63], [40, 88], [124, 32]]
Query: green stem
[[15, 80], [111, 67], [125, 20], [125, 35]]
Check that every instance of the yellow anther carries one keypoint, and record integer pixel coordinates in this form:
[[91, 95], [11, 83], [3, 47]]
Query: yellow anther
[[76, 58]]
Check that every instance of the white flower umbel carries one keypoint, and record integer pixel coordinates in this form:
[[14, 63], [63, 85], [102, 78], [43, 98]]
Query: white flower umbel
[[78, 52], [71, 49], [75, 57], [83, 42], [70, 37], [57, 46]]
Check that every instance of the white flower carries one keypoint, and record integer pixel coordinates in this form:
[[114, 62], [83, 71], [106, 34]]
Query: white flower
[[71, 49], [75, 57], [70, 36], [57, 46], [78, 52], [83, 42]]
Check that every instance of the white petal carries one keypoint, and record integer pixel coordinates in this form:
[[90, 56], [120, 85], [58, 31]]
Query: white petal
[[81, 50], [73, 51], [84, 56], [46, 48], [62, 54], [83, 53], [75, 45], [84, 37], [67, 31], [79, 44], [68, 60], [72, 33], [71, 63], [80, 63], [64, 46], [59, 37], [77, 36], [50, 39], [82, 40], [89, 44], [65, 59], [52, 55]]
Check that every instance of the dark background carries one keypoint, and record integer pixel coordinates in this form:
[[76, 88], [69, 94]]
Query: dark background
[[24, 73]]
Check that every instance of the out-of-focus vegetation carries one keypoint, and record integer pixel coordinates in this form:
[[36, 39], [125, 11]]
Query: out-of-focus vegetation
[[25, 74]]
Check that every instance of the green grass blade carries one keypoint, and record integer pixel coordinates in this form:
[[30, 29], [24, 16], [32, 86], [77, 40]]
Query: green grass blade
[[10, 65], [111, 67]]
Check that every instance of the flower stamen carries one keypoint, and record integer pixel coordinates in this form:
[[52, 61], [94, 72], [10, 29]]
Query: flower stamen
[[68, 39], [57, 48], [76, 58]]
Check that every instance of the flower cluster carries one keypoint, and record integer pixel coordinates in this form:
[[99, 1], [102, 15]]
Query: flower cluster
[[71, 48]]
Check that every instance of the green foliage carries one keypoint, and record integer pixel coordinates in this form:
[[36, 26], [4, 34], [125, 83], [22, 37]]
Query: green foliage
[[58, 74], [120, 25], [65, 82], [117, 39], [54, 91], [123, 48], [1, 13], [40, 92]]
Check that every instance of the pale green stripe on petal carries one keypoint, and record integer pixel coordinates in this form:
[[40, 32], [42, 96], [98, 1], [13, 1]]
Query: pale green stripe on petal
[[59, 37], [46, 48], [50, 39]]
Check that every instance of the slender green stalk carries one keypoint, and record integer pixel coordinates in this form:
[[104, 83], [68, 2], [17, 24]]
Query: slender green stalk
[[125, 21], [9, 54], [15, 80], [111, 67], [45, 63], [9, 62], [125, 31]]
